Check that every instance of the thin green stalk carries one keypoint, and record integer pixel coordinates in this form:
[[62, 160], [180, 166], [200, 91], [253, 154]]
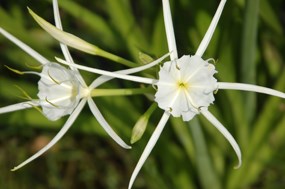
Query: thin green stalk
[[248, 55], [205, 168], [120, 92]]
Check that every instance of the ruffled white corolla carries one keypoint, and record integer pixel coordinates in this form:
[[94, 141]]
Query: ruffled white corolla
[[185, 86], [59, 91], [62, 91]]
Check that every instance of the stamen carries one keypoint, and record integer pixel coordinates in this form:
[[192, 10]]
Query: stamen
[[35, 107], [22, 72], [39, 67], [26, 95], [54, 80], [56, 106], [211, 60], [14, 70]]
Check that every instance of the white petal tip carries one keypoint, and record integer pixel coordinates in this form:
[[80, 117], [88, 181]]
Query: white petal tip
[[14, 169], [128, 147], [238, 166], [130, 185]]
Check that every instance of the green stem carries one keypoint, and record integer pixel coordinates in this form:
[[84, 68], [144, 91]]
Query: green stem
[[248, 55], [120, 92], [205, 168]]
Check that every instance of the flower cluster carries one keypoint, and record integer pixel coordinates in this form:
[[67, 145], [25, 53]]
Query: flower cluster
[[185, 85]]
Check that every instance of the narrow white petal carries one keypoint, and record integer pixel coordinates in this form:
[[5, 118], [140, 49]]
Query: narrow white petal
[[102, 79], [58, 24], [24, 47], [208, 36], [250, 87], [224, 132], [58, 136], [64, 47], [169, 30], [94, 109], [19, 106], [110, 74], [152, 141], [56, 15]]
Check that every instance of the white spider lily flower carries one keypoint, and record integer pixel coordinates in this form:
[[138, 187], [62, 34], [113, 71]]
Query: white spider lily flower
[[186, 85], [62, 91], [59, 91]]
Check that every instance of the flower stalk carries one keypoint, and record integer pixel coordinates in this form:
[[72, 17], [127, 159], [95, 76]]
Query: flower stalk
[[120, 92]]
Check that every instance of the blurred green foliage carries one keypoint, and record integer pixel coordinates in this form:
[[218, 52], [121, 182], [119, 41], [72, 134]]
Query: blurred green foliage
[[187, 155]]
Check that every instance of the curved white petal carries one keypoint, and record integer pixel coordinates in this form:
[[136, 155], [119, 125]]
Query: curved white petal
[[224, 132], [105, 125], [24, 47], [57, 137], [169, 30], [64, 47], [152, 141], [102, 79], [208, 36], [110, 74], [250, 87], [18, 106]]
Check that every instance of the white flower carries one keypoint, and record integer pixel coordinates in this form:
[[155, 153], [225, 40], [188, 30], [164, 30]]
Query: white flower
[[62, 91], [185, 86], [59, 91]]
